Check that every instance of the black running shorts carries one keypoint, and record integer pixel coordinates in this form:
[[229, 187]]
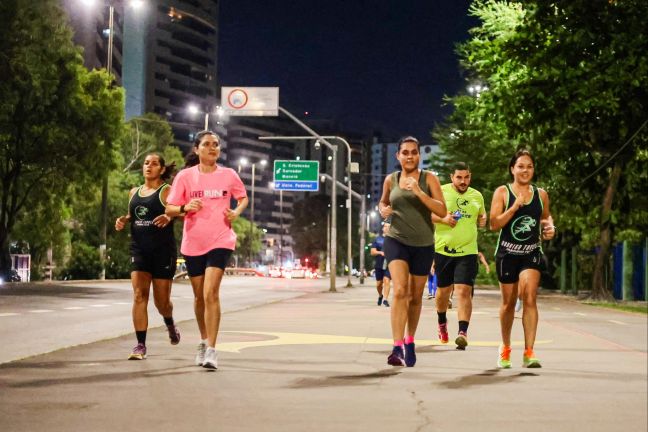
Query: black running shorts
[[160, 265], [419, 258], [196, 265], [455, 270], [509, 267]]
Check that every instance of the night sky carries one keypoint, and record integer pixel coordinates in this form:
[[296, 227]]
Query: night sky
[[372, 65]]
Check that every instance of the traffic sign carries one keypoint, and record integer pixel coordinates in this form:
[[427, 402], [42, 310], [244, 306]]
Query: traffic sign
[[296, 175], [250, 101]]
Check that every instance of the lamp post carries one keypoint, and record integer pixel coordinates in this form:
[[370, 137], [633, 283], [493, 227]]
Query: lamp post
[[244, 162], [194, 109]]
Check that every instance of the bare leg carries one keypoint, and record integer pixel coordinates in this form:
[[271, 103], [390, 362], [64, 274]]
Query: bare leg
[[213, 278], [441, 298], [464, 311], [399, 271], [379, 287], [162, 296], [386, 287], [529, 281], [141, 282], [415, 291], [199, 303], [507, 310]]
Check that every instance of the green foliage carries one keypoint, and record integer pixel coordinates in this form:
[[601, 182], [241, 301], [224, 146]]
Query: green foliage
[[84, 262], [568, 81], [248, 238], [57, 120]]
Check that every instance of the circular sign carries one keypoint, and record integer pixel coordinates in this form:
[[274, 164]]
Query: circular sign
[[237, 98]]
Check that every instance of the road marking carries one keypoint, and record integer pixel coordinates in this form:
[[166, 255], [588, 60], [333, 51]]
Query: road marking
[[580, 314], [617, 322], [99, 305], [274, 339], [41, 310], [6, 314], [74, 308], [556, 308], [122, 303]]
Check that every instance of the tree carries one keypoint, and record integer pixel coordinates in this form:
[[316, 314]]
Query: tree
[[568, 80], [57, 120]]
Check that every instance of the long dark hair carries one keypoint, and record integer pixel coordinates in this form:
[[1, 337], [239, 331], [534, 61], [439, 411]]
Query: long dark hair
[[169, 169], [518, 154], [192, 158]]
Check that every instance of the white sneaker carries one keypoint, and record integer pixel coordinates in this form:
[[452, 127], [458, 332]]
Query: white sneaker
[[211, 359], [518, 305], [200, 355]]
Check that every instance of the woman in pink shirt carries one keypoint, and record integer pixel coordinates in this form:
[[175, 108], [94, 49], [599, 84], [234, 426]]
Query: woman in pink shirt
[[201, 193]]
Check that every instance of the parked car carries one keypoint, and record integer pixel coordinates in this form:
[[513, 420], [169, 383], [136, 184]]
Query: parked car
[[10, 275]]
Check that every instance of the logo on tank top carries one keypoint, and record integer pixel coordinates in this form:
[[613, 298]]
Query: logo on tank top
[[522, 228], [141, 212]]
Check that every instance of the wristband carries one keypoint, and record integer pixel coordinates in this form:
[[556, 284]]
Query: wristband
[[182, 209]]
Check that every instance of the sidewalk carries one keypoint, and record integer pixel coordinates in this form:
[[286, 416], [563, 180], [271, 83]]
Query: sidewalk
[[318, 363]]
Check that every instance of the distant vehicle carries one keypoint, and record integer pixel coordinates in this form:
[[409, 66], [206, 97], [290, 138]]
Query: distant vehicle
[[275, 272], [10, 275], [298, 273]]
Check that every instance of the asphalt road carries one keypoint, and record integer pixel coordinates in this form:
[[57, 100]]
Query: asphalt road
[[317, 361]]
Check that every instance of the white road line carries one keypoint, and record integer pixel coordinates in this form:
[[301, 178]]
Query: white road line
[[99, 306], [580, 314], [122, 303], [74, 308], [6, 314], [41, 311], [617, 322], [556, 308]]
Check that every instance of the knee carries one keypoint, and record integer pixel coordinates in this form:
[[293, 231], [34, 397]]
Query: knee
[[163, 305], [211, 297], [414, 300], [140, 298], [400, 295]]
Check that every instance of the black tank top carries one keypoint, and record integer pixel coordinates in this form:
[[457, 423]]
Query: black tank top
[[521, 235], [146, 237]]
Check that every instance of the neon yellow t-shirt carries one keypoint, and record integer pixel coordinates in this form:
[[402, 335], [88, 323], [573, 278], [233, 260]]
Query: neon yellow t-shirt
[[462, 239]]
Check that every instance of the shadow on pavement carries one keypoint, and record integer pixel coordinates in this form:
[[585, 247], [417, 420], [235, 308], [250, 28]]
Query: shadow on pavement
[[490, 376], [344, 380]]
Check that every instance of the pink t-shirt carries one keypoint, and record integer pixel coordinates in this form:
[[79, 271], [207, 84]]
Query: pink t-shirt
[[208, 228]]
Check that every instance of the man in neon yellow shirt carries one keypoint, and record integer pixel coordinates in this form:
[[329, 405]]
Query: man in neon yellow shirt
[[456, 255]]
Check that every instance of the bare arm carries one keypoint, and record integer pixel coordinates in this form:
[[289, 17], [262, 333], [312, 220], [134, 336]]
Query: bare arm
[[242, 204], [375, 252], [435, 202], [499, 217], [384, 206], [548, 228], [121, 221]]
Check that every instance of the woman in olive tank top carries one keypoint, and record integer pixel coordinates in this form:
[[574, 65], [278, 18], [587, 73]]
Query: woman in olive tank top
[[520, 211], [409, 197]]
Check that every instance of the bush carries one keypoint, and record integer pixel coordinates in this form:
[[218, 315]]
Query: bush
[[84, 262]]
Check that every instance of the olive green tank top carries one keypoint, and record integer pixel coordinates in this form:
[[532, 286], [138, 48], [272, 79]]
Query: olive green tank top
[[411, 222]]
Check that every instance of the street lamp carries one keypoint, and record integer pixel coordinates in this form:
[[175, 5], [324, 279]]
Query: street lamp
[[193, 109], [244, 162]]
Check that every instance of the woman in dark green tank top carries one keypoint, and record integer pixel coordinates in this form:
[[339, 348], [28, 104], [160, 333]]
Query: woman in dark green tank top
[[409, 197], [521, 211]]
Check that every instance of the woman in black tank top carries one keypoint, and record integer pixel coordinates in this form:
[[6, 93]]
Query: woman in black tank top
[[521, 211], [153, 250]]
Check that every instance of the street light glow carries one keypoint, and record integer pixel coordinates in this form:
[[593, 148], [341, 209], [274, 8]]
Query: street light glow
[[263, 162], [243, 161], [193, 109], [137, 4]]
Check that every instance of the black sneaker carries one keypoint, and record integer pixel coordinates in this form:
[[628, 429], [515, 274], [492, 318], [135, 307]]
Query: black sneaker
[[410, 355], [380, 300], [396, 358], [385, 303]]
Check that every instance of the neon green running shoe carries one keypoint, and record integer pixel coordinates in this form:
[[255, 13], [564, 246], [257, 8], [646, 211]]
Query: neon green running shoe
[[504, 357], [529, 360]]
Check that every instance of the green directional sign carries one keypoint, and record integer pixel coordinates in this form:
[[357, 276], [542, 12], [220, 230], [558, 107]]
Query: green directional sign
[[296, 175]]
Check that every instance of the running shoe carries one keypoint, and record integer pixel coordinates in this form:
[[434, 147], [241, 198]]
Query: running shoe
[[461, 340], [211, 359], [385, 303], [430, 296], [410, 355], [443, 333], [380, 300], [504, 357], [174, 334], [138, 353], [200, 355], [518, 305], [529, 360], [396, 358]]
